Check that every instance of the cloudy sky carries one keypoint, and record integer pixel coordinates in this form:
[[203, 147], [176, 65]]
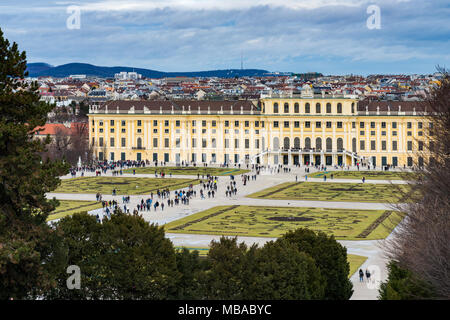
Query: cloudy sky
[[328, 36]]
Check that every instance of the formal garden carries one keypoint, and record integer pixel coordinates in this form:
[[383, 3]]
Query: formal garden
[[123, 186], [273, 222], [69, 207], [318, 191], [368, 175]]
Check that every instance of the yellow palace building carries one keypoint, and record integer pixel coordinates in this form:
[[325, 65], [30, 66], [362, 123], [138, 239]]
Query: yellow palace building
[[308, 129]]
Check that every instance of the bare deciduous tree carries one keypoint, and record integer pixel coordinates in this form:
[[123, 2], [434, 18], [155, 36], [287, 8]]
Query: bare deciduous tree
[[421, 243], [71, 146]]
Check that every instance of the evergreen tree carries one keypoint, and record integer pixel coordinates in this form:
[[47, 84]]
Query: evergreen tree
[[330, 256], [402, 284], [223, 280], [122, 258], [191, 269], [27, 244], [285, 273]]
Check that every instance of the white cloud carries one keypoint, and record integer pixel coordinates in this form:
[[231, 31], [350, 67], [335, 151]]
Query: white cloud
[[143, 5]]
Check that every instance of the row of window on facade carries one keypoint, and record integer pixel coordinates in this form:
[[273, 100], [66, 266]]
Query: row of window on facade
[[307, 108], [276, 144], [166, 157], [286, 124], [409, 161], [194, 123]]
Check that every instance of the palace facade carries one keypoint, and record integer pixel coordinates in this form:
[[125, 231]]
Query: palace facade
[[296, 130]]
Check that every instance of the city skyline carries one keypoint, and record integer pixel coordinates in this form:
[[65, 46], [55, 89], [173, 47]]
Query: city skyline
[[331, 37]]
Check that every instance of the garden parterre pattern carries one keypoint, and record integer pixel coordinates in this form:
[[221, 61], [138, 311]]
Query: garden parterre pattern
[[369, 175], [188, 171], [317, 191], [123, 186], [69, 207], [256, 221]]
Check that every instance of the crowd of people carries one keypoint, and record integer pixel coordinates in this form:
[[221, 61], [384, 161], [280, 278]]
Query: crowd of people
[[117, 167], [161, 199]]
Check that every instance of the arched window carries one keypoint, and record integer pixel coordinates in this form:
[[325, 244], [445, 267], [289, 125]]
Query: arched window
[[297, 143], [340, 144], [329, 144], [317, 107], [275, 107], [296, 108], [353, 107], [286, 107], [339, 107], [139, 143], [286, 143], [307, 108], [328, 107], [276, 143], [354, 145], [318, 144], [307, 143]]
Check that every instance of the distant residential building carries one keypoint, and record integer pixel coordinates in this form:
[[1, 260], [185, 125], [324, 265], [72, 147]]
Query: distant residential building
[[127, 76]]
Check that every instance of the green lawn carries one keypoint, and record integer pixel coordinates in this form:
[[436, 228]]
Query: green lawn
[[354, 260], [124, 186], [69, 207], [202, 252], [256, 221], [369, 175], [189, 171], [318, 191]]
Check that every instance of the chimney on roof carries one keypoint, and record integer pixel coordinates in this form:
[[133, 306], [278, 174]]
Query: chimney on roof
[[160, 109], [399, 108], [172, 109], [106, 108], [199, 109], [209, 109], [242, 109], [231, 110]]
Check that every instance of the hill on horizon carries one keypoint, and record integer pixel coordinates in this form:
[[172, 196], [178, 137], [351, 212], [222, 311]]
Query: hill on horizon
[[65, 70]]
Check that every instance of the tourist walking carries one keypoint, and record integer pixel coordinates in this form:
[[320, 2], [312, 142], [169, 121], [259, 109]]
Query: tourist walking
[[368, 275]]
